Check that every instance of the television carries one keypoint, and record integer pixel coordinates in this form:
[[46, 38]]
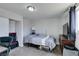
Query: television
[[69, 31], [65, 29]]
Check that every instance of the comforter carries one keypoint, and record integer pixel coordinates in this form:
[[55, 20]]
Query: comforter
[[41, 40]]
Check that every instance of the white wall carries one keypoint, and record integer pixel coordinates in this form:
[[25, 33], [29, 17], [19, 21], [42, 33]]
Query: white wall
[[27, 25], [12, 26], [4, 26], [65, 18]]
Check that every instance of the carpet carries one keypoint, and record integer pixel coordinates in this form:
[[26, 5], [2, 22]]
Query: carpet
[[30, 51]]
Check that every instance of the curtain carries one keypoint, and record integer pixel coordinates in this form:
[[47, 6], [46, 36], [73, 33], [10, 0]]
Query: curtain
[[72, 23]]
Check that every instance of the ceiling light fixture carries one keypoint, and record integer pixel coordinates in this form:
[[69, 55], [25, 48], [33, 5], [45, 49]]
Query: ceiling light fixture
[[31, 8]]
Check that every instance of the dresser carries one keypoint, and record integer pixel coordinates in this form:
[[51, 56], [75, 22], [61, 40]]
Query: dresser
[[64, 41]]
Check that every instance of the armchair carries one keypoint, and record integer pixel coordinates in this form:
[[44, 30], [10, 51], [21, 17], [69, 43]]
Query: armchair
[[6, 41], [9, 42]]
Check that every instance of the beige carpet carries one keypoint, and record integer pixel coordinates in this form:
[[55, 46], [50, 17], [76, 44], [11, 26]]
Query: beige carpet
[[29, 51]]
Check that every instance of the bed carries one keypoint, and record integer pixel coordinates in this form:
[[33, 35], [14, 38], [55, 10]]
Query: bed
[[42, 40]]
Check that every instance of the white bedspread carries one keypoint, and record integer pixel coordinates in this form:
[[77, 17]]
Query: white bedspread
[[44, 40], [40, 40]]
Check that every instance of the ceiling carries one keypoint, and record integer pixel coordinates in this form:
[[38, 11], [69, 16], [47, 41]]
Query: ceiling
[[43, 10]]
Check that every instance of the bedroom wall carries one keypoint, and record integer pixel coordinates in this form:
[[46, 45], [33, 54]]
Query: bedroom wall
[[4, 26], [27, 25], [65, 18], [12, 26]]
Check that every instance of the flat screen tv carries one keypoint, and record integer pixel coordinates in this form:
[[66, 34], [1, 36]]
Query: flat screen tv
[[65, 29], [69, 31]]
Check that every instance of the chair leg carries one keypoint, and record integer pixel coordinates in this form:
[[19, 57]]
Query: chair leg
[[78, 52], [8, 50], [40, 47], [50, 50]]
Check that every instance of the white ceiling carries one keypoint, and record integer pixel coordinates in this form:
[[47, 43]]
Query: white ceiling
[[43, 10]]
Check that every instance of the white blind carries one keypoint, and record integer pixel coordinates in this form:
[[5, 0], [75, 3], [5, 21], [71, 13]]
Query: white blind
[[77, 29], [77, 21]]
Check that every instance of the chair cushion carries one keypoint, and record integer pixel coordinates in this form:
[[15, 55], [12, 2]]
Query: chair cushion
[[6, 44]]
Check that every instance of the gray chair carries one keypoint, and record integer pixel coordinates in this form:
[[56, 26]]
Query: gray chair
[[6, 42]]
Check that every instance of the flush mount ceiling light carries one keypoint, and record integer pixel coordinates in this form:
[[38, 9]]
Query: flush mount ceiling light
[[31, 8]]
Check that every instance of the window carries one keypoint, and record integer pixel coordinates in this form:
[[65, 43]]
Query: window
[[77, 21]]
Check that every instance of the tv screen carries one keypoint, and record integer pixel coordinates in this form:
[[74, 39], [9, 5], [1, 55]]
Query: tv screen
[[65, 29]]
